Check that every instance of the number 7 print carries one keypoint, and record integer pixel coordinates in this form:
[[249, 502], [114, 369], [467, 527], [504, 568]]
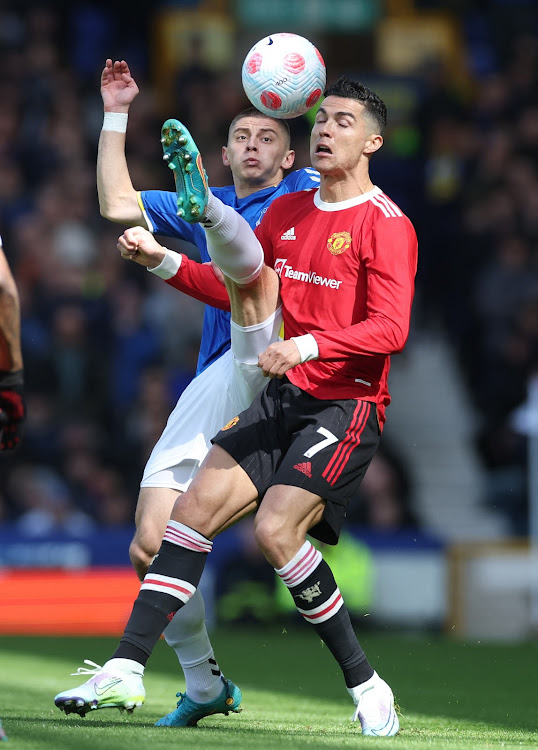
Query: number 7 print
[[328, 439]]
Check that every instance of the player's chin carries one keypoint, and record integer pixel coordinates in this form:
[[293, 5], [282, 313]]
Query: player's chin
[[255, 177], [322, 161]]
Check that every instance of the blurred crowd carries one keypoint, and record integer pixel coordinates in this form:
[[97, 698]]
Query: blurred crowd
[[478, 232], [108, 348]]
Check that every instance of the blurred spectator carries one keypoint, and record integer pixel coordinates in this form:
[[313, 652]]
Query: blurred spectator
[[73, 373], [146, 418], [46, 504], [384, 499]]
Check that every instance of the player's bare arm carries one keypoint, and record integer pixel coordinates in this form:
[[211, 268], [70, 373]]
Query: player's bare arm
[[12, 408], [10, 346], [118, 200]]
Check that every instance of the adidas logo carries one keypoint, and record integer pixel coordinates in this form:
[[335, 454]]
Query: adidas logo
[[289, 234], [305, 468]]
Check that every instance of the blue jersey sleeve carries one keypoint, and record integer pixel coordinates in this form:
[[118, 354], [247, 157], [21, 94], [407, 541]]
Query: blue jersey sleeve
[[160, 212], [302, 179]]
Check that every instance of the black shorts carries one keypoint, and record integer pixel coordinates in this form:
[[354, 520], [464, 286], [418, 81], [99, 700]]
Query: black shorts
[[289, 437]]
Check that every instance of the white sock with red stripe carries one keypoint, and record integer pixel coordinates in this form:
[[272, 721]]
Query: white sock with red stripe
[[169, 583], [319, 601]]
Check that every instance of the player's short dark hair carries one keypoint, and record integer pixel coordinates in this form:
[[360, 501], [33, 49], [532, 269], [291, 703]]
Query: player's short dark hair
[[253, 112], [347, 88]]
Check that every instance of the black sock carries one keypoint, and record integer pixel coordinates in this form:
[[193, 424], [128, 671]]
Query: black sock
[[177, 569], [318, 599]]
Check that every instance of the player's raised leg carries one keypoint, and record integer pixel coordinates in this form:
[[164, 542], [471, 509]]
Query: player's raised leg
[[231, 243]]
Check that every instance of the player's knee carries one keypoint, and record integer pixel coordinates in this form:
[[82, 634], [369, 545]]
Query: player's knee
[[269, 533], [141, 557], [197, 508]]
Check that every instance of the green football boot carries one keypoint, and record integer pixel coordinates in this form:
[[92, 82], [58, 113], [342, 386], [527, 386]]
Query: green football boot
[[188, 712], [181, 154]]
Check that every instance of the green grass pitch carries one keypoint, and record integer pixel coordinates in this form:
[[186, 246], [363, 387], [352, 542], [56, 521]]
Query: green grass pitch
[[451, 695]]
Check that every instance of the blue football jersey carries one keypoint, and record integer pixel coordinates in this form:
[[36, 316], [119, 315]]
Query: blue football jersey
[[160, 214]]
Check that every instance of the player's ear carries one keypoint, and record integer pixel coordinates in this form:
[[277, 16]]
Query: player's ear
[[225, 159], [287, 163], [373, 144]]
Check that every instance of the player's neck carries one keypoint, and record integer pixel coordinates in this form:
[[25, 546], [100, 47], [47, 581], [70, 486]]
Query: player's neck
[[335, 189], [244, 188], [246, 191]]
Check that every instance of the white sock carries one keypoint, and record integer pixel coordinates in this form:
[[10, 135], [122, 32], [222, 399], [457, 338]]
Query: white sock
[[231, 243], [214, 213], [203, 680], [187, 635]]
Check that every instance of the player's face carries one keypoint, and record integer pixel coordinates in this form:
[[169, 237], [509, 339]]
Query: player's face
[[342, 137], [257, 152]]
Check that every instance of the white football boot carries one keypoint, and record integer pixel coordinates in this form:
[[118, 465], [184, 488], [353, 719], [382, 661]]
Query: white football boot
[[375, 710], [118, 684]]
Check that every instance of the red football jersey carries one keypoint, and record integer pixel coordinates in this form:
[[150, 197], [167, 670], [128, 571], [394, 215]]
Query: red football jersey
[[347, 272]]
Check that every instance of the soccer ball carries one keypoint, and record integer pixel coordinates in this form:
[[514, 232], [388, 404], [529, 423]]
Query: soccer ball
[[283, 75]]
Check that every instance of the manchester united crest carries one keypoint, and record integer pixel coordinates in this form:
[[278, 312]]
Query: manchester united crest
[[338, 242], [231, 423]]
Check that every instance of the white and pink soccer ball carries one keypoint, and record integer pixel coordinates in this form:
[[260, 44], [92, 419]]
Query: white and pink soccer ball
[[283, 75]]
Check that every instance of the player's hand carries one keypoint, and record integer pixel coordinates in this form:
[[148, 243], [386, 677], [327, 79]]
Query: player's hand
[[278, 358], [118, 87], [12, 409], [137, 244]]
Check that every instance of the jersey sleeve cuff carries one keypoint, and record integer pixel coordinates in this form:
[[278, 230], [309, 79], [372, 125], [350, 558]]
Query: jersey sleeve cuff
[[140, 200], [308, 347], [169, 265]]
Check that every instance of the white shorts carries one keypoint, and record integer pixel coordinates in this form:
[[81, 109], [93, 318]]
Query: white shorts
[[218, 394]]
